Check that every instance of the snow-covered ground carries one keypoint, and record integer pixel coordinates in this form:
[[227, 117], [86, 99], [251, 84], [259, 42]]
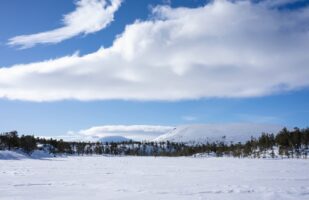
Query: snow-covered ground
[[101, 177], [232, 132]]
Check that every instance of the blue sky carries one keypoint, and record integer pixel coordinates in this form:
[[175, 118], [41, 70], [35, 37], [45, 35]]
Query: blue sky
[[201, 78]]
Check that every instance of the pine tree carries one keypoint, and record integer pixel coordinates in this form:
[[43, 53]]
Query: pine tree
[[28, 143]]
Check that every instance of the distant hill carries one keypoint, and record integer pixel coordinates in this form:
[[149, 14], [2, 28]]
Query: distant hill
[[114, 139], [233, 132]]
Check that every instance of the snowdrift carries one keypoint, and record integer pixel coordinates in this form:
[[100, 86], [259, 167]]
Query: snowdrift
[[19, 155]]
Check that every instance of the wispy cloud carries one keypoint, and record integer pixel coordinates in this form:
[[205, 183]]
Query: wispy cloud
[[90, 16], [135, 132], [189, 118], [258, 118], [168, 2], [223, 49], [276, 3]]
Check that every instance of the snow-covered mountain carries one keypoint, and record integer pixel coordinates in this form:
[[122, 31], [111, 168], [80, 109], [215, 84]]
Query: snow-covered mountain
[[114, 139], [233, 132]]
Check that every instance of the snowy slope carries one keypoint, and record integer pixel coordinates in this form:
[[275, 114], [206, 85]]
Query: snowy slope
[[114, 139], [11, 155], [234, 132], [19, 155]]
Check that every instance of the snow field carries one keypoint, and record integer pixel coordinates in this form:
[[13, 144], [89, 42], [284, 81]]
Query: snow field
[[100, 177]]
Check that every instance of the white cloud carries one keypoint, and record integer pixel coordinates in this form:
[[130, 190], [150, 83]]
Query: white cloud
[[90, 16], [135, 132], [223, 49]]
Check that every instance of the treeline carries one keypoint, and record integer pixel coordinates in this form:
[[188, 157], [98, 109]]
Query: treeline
[[11, 141], [287, 143], [290, 144]]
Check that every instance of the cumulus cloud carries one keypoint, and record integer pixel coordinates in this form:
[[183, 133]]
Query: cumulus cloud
[[134, 132], [90, 16], [223, 49]]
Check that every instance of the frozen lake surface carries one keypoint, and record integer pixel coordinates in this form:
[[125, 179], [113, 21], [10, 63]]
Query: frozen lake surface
[[100, 177]]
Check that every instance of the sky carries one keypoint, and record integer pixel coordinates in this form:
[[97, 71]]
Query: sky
[[140, 68]]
